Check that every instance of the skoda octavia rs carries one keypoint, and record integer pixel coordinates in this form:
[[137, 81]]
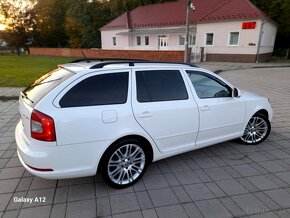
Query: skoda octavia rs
[[117, 116]]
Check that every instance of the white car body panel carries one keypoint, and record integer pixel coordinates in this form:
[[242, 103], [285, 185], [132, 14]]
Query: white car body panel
[[171, 127], [255, 103], [156, 119], [220, 119]]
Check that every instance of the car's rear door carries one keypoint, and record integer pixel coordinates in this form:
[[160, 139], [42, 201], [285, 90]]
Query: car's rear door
[[165, 108]]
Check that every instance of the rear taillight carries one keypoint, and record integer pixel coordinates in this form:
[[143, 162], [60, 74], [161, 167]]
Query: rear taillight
[[42, 127]]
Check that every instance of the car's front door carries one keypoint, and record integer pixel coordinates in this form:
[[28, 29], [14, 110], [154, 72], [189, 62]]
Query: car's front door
[[164, 106], [221, 115]]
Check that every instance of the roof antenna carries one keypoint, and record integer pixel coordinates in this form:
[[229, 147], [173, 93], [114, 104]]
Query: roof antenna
[[88, 61]]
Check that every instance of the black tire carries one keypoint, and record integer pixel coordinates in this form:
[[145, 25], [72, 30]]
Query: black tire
[[252, 130], [125, 166]]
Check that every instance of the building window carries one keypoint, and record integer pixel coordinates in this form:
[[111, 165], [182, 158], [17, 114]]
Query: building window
[[234, 38], [138, 40], [114, 41], [181, 40], [192, 39], [209, 39], [147, 40], [163, 41]]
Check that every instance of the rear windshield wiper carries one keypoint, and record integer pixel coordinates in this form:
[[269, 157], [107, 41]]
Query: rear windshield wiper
[[32, 86], [24, 95]]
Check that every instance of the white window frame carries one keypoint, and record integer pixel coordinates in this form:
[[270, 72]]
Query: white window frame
[[114, 38], [190, 35], [205, 38], [145, 40], [167, 40], [137, 40], [229, 38], [183, 36]]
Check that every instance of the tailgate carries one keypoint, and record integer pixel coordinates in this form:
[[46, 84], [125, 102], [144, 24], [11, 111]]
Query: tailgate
[[25, 115]]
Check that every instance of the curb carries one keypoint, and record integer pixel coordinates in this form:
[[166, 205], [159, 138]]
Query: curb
[[8, 98], [254, 67]]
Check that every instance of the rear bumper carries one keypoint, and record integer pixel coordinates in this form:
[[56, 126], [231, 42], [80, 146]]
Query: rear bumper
[[68, 161]]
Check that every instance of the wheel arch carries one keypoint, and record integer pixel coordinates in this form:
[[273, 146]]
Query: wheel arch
[[263, 112], [142, 139]]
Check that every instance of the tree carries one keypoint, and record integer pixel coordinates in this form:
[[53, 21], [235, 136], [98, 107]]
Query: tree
[[74, 29], [83, 21], [279, 11], [118, 7], [60, 23], [85, 18], [51, 15], [19, 18]]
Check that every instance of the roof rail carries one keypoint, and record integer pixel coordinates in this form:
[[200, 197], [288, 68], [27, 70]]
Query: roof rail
[[132, 63], [104, 59]]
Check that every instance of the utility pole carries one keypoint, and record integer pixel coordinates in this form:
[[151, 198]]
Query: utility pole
[[188, 3], [259, 42]]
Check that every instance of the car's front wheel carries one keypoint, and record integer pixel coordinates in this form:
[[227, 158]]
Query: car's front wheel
[[257, 130], [125, 163]]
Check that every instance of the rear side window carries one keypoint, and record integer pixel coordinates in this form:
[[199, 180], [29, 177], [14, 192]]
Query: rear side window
[[40, 87], [160, 85], [104, 89]]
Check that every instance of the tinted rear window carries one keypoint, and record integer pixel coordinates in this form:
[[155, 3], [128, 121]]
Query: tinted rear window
[[104, 89], [160, 85], [43, 85]]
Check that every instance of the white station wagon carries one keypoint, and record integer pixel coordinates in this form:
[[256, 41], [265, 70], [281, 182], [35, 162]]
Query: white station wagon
[[116, 116]]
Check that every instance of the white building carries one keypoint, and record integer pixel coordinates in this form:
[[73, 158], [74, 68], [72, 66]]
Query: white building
[[3, 43], [226, 30]]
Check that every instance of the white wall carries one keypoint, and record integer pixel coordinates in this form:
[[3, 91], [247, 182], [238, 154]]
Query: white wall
[[129, 42], [173, 42], [107, 39], [153, 42], [268, 37], [2, 43], [221, 37], [248, 38]]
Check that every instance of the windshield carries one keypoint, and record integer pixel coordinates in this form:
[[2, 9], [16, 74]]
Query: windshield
[[43, 85]]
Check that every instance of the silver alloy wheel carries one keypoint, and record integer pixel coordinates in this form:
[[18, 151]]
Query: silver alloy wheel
[[255, 131], [126, 164]]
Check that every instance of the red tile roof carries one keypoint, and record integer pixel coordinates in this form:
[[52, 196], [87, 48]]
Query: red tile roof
[[173, 14]]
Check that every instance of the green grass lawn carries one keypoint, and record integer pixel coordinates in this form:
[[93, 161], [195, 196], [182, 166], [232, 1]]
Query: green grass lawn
[[20, 71]]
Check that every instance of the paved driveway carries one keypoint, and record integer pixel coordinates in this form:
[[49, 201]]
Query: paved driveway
[[225, 180]]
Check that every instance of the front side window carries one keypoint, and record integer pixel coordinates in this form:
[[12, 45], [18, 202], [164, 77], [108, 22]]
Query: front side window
[[138, 40], [234, 38], [207, 86], [104, 89], [160, 85], [209, 39]]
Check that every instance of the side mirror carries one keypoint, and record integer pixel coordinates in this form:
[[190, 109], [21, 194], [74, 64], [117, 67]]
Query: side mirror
[[236, 93]]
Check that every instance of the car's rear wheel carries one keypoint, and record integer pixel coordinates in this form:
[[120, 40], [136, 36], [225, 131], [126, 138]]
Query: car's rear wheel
[[125, 163], [257, 130]]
